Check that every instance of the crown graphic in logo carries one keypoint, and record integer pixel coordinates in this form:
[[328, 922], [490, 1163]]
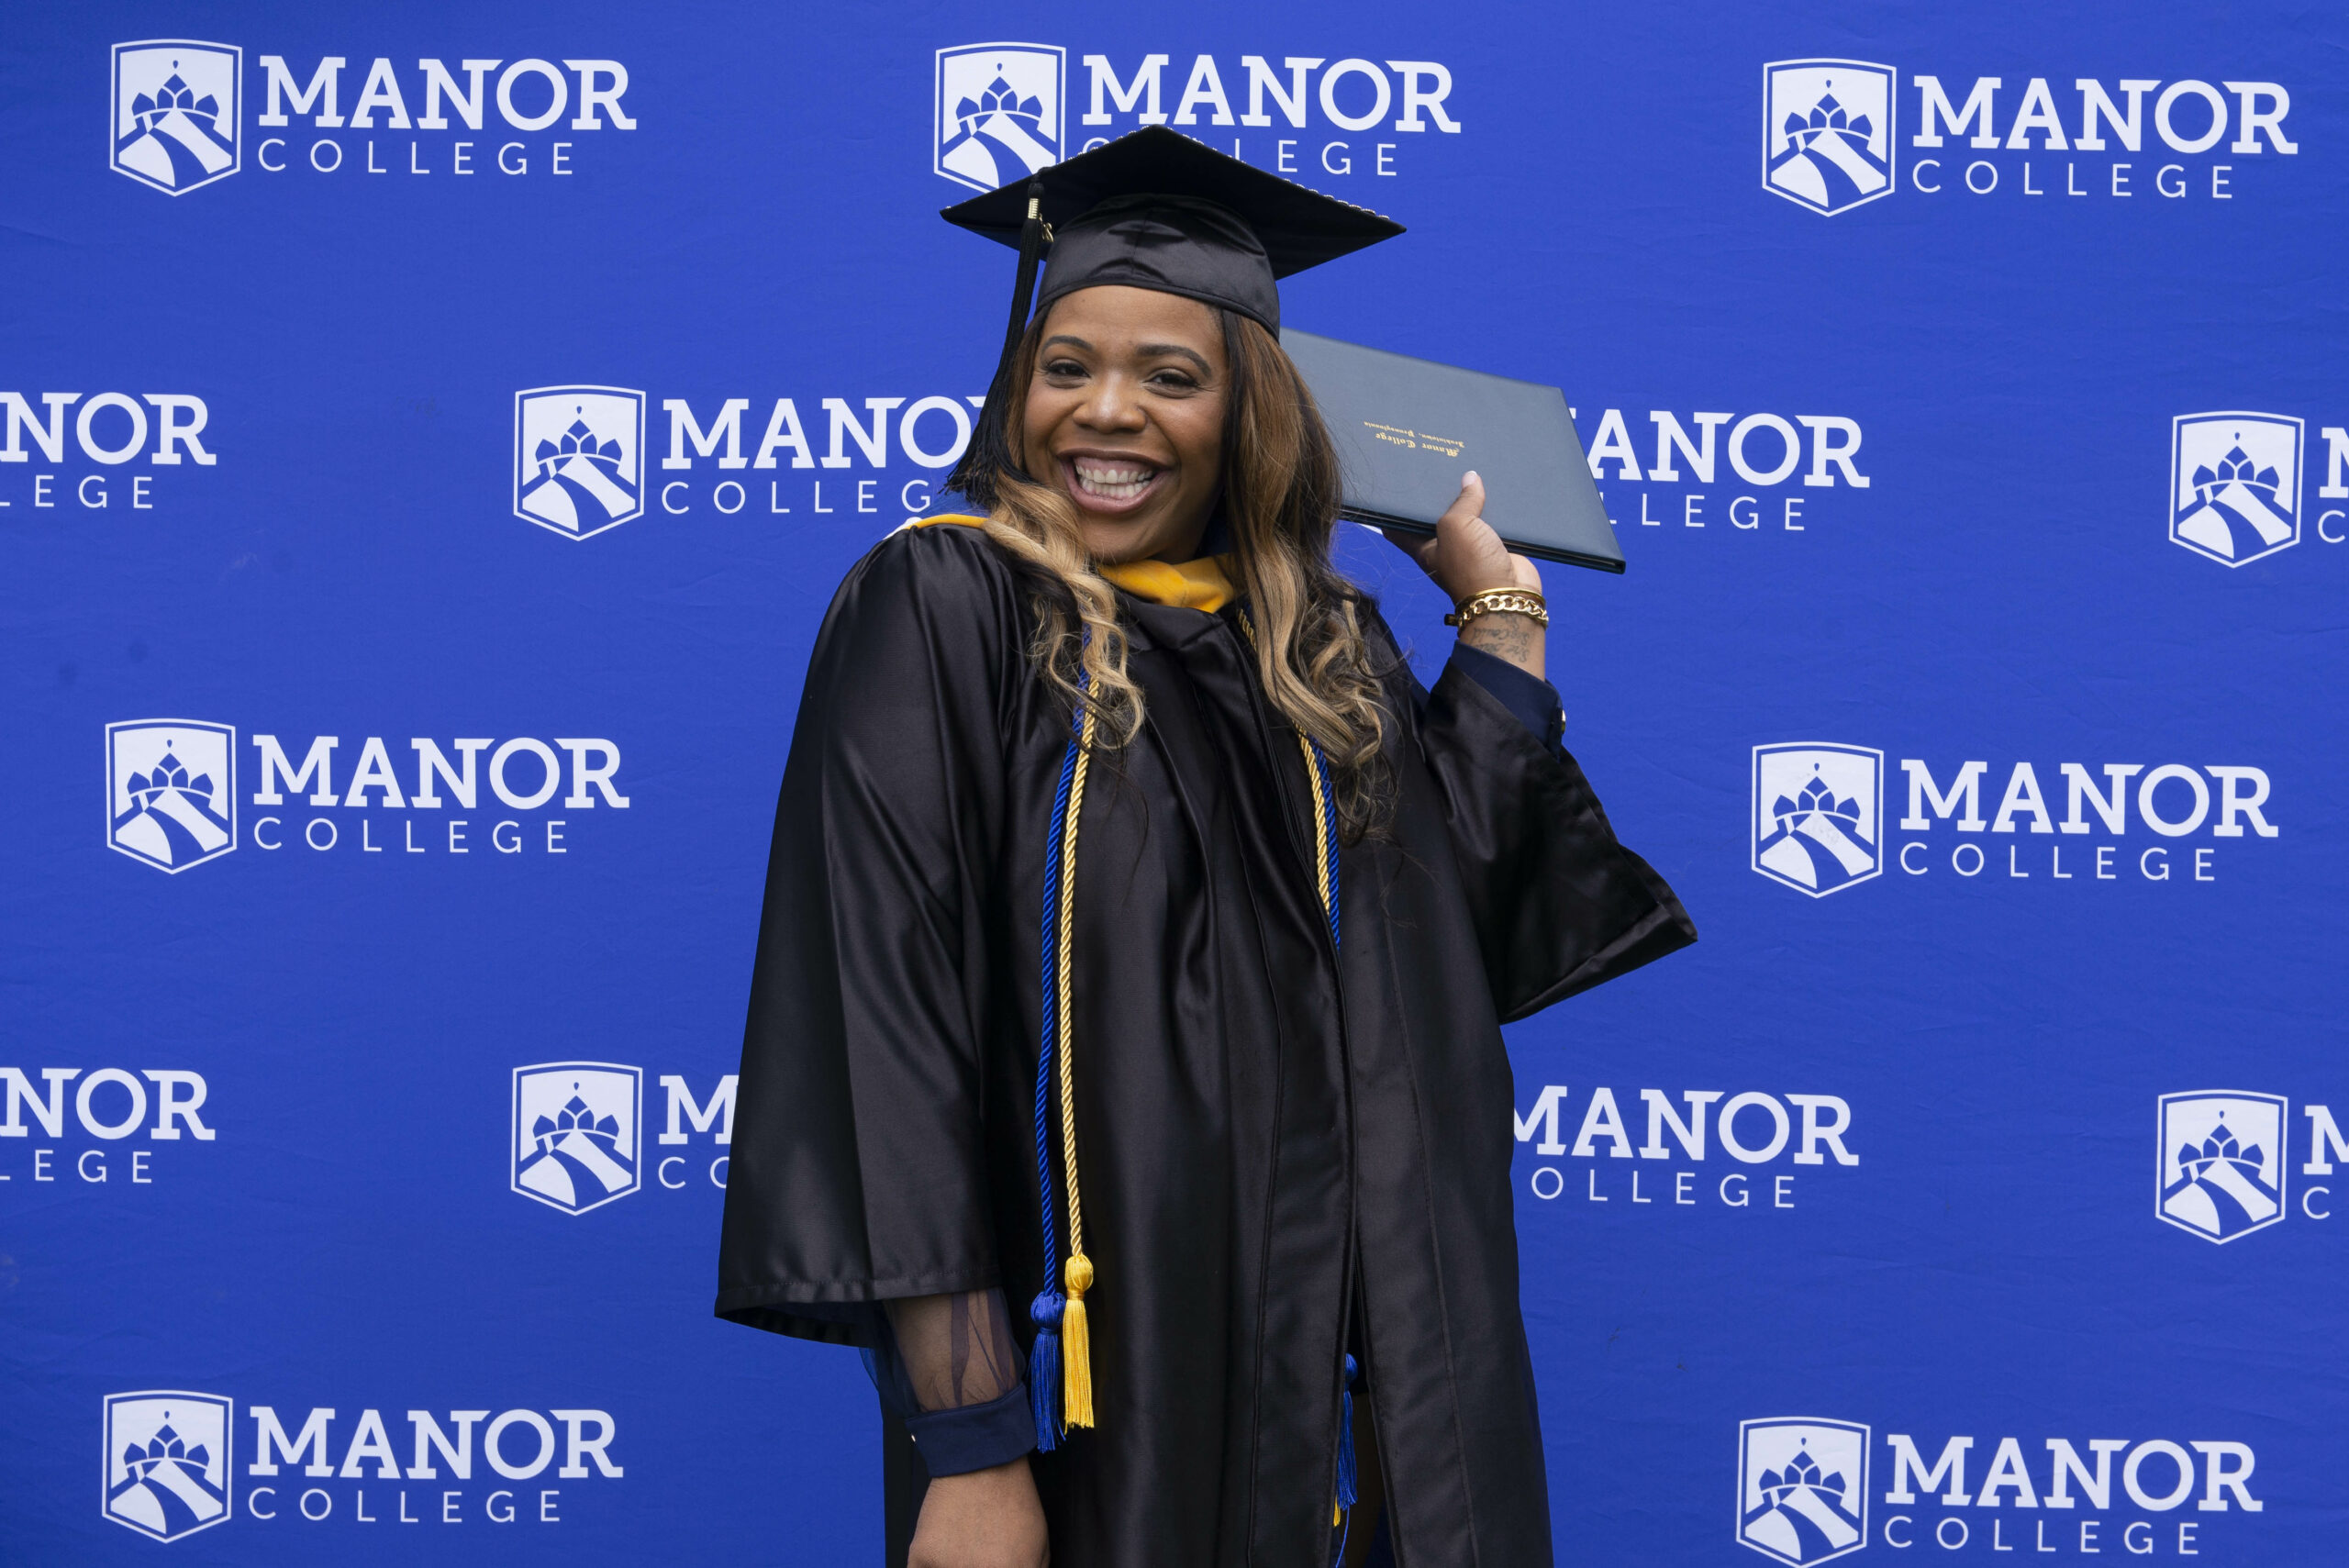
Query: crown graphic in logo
[[2221, 1162], [174, 112], [2235, 485], [166, 1460], [578, 458], [999, 111], [575, 1132], [1802, 1488], [1818, 807], [1827, 132], [171, 791]]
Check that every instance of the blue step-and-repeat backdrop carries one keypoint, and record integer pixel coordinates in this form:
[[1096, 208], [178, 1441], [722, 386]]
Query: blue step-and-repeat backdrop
[[433, 433]]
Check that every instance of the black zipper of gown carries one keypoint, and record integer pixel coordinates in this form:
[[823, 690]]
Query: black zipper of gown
[[1269, 728]]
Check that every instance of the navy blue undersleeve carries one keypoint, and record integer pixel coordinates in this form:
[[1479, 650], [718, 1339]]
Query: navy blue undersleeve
[[976, 1437]]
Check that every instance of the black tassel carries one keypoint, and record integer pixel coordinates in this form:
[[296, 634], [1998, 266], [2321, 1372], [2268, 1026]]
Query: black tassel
[[974, 475], [1031, 251]]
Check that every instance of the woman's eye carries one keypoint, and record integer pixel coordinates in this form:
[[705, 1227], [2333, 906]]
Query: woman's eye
[[1064, 368], [1173, 381]]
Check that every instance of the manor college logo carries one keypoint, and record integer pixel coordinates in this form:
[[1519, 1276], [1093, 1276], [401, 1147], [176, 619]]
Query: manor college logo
[[576, 1125], [1802, 1489], [176, 112], [1827, 132], [578, 458], [2221, 1162], [165, 1462], [998, 112], [1817, 815], [2234, 484], [171, 791]]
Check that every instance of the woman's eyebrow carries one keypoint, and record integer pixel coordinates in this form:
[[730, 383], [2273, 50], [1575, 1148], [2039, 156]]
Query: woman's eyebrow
[[1152, 350], [1065, 338]]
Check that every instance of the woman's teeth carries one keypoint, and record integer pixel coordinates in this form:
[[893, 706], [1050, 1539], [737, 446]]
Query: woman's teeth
[[1111, 481]]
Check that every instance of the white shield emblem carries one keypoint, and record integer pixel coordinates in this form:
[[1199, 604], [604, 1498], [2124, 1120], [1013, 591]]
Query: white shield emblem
[[2222, 1166], [171, 791], [578, 458], [998, 112], [2234, 484], [1802, 1488], [1827, 132], [176, 112], [165, 1469], [575, 1132], [1817, 815]]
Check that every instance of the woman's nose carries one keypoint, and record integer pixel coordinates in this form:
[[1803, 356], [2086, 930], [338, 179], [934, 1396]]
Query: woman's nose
[[1112, 406]]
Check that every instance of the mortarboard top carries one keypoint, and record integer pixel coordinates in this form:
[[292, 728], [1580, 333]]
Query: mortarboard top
[[1155, 209]]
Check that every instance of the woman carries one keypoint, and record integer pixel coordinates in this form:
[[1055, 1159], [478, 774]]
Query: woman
[[1136, 936]]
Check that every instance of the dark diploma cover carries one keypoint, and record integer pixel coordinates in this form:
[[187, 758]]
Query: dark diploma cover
[[1405, 429]]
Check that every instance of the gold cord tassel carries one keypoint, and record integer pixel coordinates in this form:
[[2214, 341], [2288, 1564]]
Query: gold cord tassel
[[1076, 1346], [1076, 1341]]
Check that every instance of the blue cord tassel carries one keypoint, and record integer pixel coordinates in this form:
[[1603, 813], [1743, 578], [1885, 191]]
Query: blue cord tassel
[[1045, 1369], [1346, 1479], [1045, 1312], [1344, 1521], [1344, 1465]]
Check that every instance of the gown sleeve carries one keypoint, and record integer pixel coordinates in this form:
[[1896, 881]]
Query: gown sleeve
[[1558, 904], [858, 1173], [1532, 700]]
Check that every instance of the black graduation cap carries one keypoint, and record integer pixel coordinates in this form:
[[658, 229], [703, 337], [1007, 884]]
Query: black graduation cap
[[1155, 209]]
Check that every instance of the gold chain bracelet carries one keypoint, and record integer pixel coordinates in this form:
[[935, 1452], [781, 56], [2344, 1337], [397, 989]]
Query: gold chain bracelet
[[1500, 601]]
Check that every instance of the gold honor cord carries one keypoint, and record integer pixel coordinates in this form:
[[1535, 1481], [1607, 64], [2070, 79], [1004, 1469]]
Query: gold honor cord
[[1322, 876], [1076, 1344], [1321, 814]]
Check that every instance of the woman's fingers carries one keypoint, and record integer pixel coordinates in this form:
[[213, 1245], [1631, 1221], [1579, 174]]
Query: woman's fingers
[[1471, 555], [1465, 554], [1468, 506]]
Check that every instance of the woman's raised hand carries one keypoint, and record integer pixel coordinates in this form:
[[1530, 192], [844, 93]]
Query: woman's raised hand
[[1466, 555]]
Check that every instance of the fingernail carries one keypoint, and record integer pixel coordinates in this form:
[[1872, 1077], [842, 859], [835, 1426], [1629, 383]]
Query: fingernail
[[1470, 478]]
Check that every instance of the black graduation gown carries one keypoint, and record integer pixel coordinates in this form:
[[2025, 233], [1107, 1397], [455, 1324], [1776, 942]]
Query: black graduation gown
[[1262, 1123]]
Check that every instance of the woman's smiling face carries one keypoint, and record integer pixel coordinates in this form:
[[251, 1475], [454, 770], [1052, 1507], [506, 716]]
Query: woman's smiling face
[[1125, 416]]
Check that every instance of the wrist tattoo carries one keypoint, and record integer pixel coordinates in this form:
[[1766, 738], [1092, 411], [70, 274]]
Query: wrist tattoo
[[1515, 638]]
